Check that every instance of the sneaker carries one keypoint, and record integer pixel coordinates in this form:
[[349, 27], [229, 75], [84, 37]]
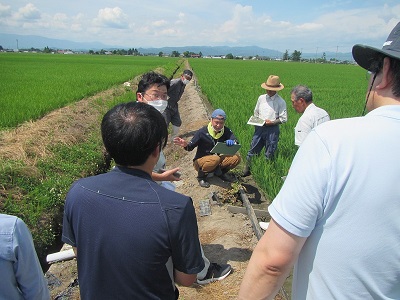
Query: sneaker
[[264, 225], [204, 183], [215, 272]]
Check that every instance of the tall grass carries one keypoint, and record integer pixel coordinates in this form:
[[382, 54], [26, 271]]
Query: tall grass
[[32, 85], [234, 85]]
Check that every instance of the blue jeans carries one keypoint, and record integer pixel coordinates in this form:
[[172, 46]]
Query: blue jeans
[[264, 136]]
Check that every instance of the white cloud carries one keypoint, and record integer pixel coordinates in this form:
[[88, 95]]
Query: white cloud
[[207, 22], [5, 10], [28, 12], [111, 17], [159, 23]]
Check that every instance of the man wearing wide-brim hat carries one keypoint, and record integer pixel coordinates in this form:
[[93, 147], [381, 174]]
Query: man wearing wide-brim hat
[[337, 214], [272, 108]]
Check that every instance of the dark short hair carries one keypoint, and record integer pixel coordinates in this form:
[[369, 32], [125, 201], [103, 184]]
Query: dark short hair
[[395, 67], [132, 131], [150, 78], [301, 91], [376, 66], [188, 73]]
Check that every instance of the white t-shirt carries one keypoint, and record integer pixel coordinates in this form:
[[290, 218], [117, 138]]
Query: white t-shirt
[[312, 116], [343, 193]]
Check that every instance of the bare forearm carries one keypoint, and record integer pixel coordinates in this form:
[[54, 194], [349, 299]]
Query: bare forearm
[[260, 280], [183, 278], [270, 263]]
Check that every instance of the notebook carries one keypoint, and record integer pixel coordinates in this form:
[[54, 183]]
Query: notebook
[[222, 148]]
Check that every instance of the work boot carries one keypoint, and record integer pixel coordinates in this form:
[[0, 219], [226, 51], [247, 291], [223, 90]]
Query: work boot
[[246, 171], [202, 179], [226, 177], [218, 171]]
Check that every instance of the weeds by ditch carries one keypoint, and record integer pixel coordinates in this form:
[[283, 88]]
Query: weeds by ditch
[[37, 194]]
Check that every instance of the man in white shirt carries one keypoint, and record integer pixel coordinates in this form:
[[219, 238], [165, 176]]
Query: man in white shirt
[[336, 216], [302, 102], [272, 108]]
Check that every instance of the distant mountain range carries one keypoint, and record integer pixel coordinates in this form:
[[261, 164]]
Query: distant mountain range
[[14, 41]]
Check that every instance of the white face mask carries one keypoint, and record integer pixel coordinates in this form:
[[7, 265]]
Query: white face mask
[[185, 81], [159, 104]]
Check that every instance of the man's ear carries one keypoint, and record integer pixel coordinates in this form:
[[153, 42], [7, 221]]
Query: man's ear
[[387, 76], [139, 97], [156, 151]]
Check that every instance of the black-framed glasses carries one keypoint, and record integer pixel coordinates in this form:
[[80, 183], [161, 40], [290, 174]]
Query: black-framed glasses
[[157, 96]]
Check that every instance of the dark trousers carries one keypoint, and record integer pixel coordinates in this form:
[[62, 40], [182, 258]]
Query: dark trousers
[[264, 136]]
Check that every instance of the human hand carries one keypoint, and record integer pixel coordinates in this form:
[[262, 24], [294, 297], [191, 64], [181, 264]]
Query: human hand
[[169, 175], [229, 142], [179, 142]]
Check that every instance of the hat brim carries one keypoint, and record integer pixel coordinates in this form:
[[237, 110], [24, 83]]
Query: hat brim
[[365, 55], [269, 88]]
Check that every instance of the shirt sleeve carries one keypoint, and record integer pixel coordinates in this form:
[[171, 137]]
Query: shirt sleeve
[[301, 201], [194, 141], [186, 251], [68, 235], [301, 130], [28, 272], [282, 111]]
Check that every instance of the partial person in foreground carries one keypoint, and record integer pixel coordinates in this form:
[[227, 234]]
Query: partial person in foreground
[[175, 92], [133, 238], [205, 139], [338, 219], [312, 115], [21, 276], [152, 90], [270, 107]]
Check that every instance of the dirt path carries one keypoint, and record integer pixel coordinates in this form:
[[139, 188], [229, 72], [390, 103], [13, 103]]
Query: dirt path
[[225, 237]]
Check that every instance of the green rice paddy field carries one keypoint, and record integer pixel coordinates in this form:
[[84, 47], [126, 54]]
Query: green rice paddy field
[[234, 85], [32, 85]]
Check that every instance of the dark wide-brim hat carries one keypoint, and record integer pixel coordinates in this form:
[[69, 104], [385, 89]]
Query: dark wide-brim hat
[[366, 55], [273, 83]]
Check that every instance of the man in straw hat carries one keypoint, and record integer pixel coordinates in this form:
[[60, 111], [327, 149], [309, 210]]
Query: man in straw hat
[[272, 108], [338, 219]]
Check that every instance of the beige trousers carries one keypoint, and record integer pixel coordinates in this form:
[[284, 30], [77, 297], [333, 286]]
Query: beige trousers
[[209, 163]]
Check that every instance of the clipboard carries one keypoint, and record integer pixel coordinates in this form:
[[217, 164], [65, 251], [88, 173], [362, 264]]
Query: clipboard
[[222, 148], [253, 120]]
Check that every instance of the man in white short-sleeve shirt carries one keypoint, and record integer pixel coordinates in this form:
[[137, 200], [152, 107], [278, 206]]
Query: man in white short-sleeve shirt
[[312, 115], [336, 218]]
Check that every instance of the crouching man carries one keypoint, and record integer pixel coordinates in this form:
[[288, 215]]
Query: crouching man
[[205, 139]]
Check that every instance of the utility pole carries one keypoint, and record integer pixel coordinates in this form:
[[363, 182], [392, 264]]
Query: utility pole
[[17, 44], [337, 47], [316, 53]]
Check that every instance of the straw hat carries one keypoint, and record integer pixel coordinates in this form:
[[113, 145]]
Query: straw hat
[[365, 55], [273, 83]]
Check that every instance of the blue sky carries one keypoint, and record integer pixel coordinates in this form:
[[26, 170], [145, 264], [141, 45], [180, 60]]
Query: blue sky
[[308, 26]]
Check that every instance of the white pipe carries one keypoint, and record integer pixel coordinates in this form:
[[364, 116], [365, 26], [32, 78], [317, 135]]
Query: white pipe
[[60, 256]]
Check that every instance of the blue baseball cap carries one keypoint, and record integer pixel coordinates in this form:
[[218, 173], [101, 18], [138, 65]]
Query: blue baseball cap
[[219, 114]]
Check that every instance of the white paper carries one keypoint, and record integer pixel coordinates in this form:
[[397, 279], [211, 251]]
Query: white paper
[[253, 120]]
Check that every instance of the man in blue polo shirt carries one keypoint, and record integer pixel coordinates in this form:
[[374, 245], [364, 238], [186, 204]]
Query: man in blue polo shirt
[[133, 238]]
